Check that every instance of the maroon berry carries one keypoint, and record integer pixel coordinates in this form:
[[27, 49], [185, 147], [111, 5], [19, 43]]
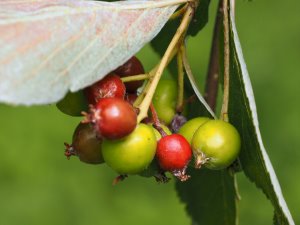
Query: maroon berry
[[85, 144], [173, 154], [113, 118], [110, 86], [131, 98], [132, 67]]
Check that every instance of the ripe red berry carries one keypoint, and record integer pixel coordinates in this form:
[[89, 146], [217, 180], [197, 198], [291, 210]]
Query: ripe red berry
[[86, 145], [173, 154], [110, 86], [113, 118], [132, 67]]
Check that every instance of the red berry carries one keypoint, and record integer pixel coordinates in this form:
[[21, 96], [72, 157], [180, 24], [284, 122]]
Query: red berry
[[110, 86], [113, 118], [132, 67], [85, 144], [173, 154]]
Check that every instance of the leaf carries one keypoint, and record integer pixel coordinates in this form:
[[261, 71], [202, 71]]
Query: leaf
[[48, 47], [160, 43], [242, 113], [200, 18], [209, 196], [196, 89]]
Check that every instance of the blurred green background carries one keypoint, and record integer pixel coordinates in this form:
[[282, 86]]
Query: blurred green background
[[39, 186]]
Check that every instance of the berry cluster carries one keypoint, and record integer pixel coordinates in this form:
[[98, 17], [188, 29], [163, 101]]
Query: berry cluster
[[109, 132]]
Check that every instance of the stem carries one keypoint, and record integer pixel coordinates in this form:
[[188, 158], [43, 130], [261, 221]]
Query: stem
[[212, 77], [136, 77], [142, 95], [180, 97], [156, 122], [169, 54], [224, 110], [119, 178], [178, 13]]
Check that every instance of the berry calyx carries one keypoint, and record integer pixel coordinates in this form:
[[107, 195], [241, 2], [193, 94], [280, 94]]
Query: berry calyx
[[113, 118], [110, 86], [132, 67], [85, 144], [216, 144], [173, 154]]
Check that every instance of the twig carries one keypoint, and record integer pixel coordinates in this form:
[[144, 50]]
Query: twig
[[180, 97], [136, 77], [178, 13], [224, 110], [212, 77], [156, 122]]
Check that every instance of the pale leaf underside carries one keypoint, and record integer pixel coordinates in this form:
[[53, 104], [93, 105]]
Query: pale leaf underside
[[49, 47]]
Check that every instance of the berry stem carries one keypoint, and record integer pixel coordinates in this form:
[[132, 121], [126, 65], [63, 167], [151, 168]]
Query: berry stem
[[224, 110], [136, 77], [156, 122], [119, 178], [161, 178], [169, 54], [142, 95], [180, 97]]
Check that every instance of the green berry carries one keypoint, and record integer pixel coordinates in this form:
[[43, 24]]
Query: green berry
[[133, 153], [216, 144]]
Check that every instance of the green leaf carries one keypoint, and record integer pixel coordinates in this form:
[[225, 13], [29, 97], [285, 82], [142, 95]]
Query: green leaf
[[162, 40], [209, 197], [242, 113], [200, 18]]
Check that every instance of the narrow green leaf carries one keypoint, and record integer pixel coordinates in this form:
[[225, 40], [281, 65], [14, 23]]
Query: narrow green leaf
[[242, 113], [209, 197], [193, 82]]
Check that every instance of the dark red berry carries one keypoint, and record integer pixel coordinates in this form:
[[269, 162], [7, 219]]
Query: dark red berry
[[110, 86], [132, 67], [113, 118], [131, 98], [85, 144], [173, 154]]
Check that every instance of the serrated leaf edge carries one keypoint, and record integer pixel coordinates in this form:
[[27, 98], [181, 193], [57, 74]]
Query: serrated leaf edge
[[251, 100]]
